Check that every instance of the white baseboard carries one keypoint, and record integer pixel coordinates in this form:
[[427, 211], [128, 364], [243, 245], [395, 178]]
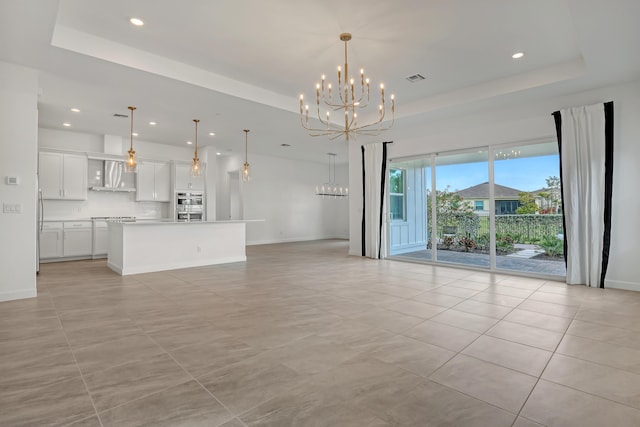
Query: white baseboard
[[619, 284], [172, 266], [10, 296]]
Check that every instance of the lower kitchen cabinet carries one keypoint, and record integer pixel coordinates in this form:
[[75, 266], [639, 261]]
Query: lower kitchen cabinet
[[100, 239], [65, 240], [51, 240], [77, 239]]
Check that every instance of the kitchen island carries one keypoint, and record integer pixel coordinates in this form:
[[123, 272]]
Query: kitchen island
[[143, 247]]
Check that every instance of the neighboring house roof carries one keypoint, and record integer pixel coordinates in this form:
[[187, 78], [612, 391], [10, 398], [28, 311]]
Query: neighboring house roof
[[555, 191], [481, 191]]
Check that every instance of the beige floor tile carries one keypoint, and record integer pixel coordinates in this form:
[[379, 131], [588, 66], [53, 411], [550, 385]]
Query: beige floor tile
[[483, 309], [549, 308], [528, 335], [435, 298], [368, 382], [523, 422], [509, 291], [442, 335], [312, 355], [249, 383], [556, 406], [519, 357], [186, 404], [356, 335], [412, 355], [23, 371], [538, 320], [605, 353], [198, 359], [123, 383], [92, 421], [233, 423], [55, 404], [117, 352], [610, 319], [502, 387], [435, 405], [554, 298], [468, 321], [389, 320], [415, 308], [498, 299], [594, 331], [604, 381], [102, 332], [467, 284], [456, 291]]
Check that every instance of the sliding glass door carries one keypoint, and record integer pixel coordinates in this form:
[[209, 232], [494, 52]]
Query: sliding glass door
[[496, 207]]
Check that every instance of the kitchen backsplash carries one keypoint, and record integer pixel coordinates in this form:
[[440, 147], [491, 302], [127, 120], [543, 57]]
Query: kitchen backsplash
[[102, 203]]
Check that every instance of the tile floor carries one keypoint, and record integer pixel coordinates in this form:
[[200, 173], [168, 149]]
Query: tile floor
[[305, 335]]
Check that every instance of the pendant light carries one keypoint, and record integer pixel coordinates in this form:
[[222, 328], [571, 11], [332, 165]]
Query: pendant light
[[331, 188], [196, 170], [246, 175], [130, 164]]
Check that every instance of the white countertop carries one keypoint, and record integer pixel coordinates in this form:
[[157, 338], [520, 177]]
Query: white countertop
[[169, 221]]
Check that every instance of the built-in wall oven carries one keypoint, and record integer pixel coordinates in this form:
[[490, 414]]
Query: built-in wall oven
[[189, 207]]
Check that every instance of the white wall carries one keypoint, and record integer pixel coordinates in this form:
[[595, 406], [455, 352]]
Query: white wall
[[18, 157], [282, 193], [532, 121]]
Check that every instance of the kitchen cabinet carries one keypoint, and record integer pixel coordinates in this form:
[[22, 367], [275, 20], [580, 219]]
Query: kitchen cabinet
[[100, 239], [77, 239], [51, 240], [63, 176], [153, 182], [184, 179]]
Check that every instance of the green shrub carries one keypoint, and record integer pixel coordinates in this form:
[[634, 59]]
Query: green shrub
[[552, 245]]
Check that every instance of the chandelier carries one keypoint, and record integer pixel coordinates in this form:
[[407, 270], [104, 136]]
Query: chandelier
[[196, 170], [130, 163], [330, 188], [347, 98]]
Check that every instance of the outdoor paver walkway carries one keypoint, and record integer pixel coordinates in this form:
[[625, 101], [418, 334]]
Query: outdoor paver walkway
[[539, 266]]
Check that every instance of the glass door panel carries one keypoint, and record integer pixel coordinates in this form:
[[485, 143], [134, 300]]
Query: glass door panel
[[528, 209], [462, 208]]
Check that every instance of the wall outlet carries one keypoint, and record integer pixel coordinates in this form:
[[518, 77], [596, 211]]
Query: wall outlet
[[12, 208]]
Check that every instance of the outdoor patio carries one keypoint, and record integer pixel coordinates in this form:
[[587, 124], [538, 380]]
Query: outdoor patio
[[515, 263]]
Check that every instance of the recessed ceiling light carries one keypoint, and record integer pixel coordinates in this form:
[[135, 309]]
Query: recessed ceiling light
[[152, 123], [134, 134], [218, 154], [189, 142], [66, 124], [285, 145], [517, 55], [137, 22], [211, 133], [75, 110]]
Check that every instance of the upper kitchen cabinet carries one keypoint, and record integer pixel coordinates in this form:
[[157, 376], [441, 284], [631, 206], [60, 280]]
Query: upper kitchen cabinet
[[63, 176], [153, 182], [184, 179]]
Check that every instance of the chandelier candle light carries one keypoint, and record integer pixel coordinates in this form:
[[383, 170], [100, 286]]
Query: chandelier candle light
[[330, 188], [130, 164], [347, 102], [246, 176], [196, 170]]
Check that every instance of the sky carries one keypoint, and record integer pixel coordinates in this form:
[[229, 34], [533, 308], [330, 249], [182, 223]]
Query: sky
[[525, 174]]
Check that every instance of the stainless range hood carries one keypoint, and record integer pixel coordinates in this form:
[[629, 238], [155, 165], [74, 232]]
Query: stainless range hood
[[109, 175]]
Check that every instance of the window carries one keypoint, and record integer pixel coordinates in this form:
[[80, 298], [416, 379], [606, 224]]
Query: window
[[396, 194], [506, 207], [479, 205]]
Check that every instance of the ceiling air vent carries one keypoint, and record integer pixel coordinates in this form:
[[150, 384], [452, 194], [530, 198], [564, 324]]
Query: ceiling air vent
[[415, 78], [120, 116]]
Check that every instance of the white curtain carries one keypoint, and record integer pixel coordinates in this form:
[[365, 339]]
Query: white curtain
[[586, 187], [374, 214]]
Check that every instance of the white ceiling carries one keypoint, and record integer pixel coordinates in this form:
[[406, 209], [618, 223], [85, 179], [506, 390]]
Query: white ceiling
[[241, 64]]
